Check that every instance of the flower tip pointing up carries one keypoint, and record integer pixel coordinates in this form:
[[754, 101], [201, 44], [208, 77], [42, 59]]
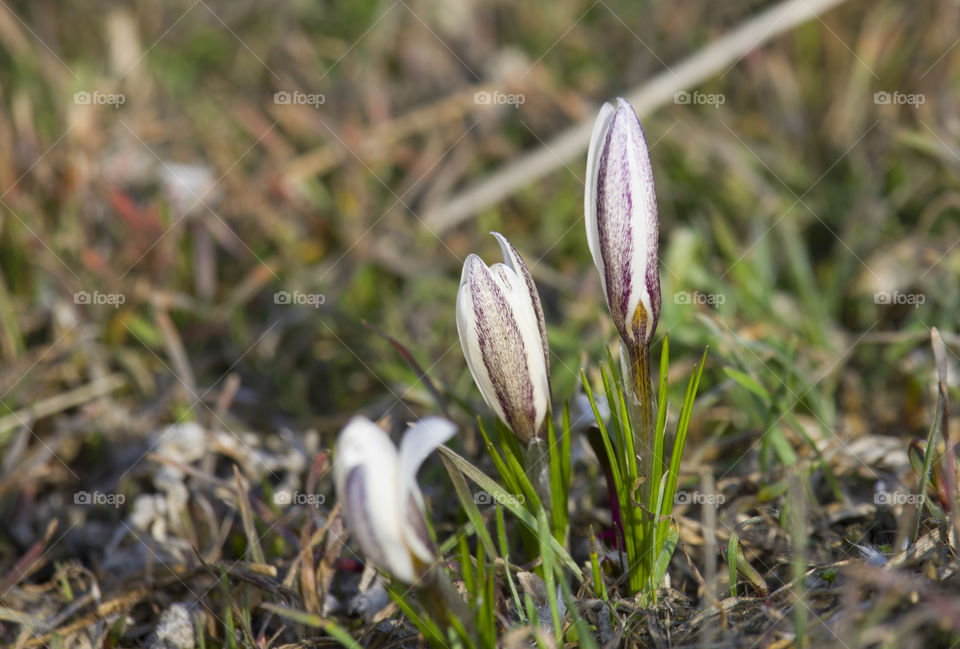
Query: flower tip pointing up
[[620, 207], [503, 334]]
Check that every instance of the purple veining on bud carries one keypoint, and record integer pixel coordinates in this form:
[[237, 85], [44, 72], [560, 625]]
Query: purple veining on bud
[[377, 487], [504, 339], [620, 207]]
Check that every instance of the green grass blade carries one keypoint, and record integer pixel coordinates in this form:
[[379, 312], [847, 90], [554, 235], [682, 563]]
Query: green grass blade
[[599, 585], [426, 626], [505, 553], [332, 629], [611, 455], [462, 490], [659, 439], [680, 440], [733, 549], [558, 488], [665, 554], [549, 566], [505, 473], [928, 454], [507, 500], [627, 510], [565, 452], [466, 567], [529, 493], [748, 382]]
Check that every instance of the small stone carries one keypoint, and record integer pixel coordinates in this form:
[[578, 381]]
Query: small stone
[[175, 630]]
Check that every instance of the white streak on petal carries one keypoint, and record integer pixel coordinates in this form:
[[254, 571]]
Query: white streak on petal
[[597, 140], [470, 338]]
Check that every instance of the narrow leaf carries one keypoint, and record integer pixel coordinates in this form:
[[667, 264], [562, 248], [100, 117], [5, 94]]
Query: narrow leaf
[[507, 500]]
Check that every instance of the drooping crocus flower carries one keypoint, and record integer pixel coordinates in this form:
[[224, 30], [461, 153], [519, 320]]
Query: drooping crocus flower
[[377, 489], [620, 208], [504, 338]]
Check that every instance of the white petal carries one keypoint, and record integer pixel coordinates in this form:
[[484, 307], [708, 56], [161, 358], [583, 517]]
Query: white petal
[[627, 226], [527, 294], [534, 349], [367, 472], [422, 439], [597, 140], [502, 345], [418, 442], [470, 337]]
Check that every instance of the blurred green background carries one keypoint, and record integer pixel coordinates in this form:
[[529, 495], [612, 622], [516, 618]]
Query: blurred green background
[[144, 153]]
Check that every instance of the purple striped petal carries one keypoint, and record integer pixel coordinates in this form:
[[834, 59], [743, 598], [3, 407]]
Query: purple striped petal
[[500, 322], [530, 297], [622, 226]]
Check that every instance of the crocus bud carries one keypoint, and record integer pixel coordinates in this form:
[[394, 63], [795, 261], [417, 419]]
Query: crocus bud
[[378, 492], [504, 339], [620, 208]]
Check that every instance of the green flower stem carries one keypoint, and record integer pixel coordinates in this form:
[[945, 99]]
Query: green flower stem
[[643, 415], [536, 464]]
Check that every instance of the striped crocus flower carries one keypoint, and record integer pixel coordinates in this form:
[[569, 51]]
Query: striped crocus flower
[[377, 489], [620, 208], [504, 338]]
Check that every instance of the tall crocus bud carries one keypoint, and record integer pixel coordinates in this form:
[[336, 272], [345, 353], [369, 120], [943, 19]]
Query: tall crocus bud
[[377, 489], [622, 227], [620, 208], [504, 339]]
